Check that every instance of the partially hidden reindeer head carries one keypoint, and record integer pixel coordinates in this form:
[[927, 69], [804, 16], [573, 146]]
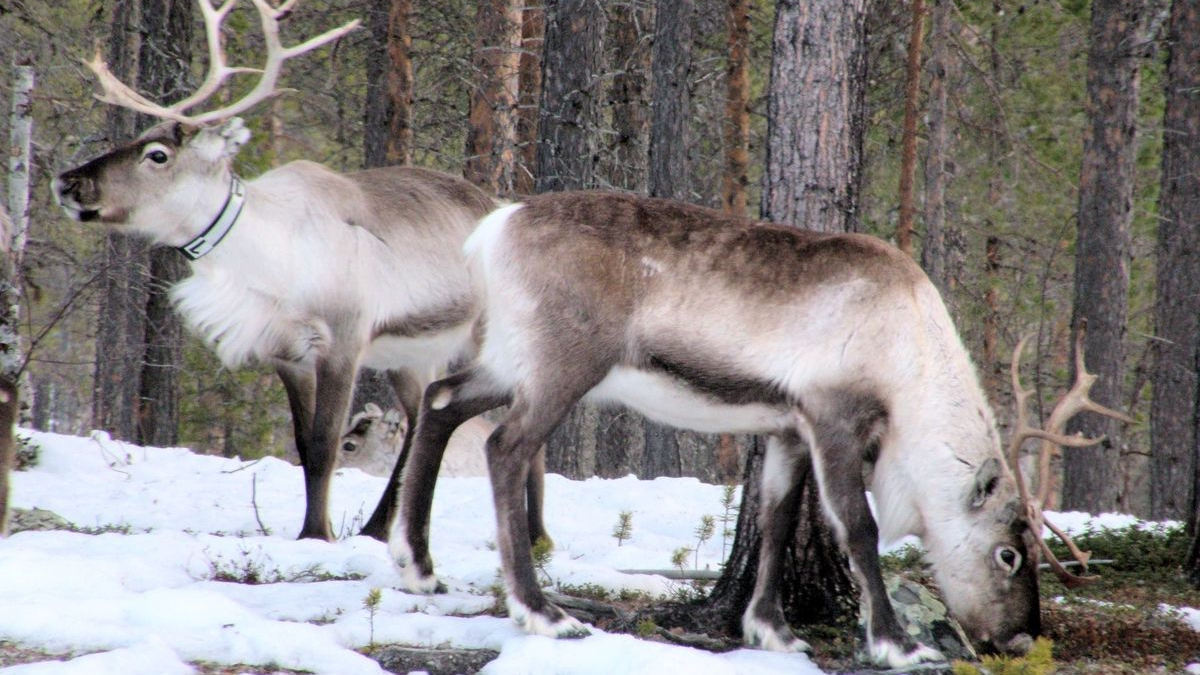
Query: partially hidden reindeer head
[[184, 164]]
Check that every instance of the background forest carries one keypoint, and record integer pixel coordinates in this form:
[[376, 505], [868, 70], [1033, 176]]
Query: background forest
[[998, 121]]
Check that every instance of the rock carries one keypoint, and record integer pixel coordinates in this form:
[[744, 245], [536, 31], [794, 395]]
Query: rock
[[396, 659], [21, 520], [925, 617]]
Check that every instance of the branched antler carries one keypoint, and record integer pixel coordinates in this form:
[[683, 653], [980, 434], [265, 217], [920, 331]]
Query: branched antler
[[118, 93], [1072, 403]]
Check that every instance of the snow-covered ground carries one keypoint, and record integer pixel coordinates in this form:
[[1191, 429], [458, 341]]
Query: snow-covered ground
[[148, 597]]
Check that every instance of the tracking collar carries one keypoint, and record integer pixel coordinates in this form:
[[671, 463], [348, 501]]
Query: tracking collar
[[212, 235]]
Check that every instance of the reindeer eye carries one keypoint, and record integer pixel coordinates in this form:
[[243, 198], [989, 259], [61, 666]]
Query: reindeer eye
[[158, 157], [1008, 558]]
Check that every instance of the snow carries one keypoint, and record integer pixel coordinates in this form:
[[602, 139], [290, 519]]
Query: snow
[[145, 595]]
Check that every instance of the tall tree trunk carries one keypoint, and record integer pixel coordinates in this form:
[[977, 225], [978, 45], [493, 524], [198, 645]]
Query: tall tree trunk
[[1175, 408], [736, 177], [815, 132], [492, 130], [165, 73], [628, 95], [533, 28], [121, 326], [671, 452], [10, 344], [1091, 476], [568, 116], [569, 111], [387, 132], [908, 137], [937, 247]]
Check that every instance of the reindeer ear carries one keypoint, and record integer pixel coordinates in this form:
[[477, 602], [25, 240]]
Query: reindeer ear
[[234, 134], [986, 479], [372, 410]]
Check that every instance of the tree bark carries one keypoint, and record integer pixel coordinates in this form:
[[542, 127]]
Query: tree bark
[[811, 119], [815, 130], [164, 72], [1175, 408], [121, 324], [492, 130], [533, 28], [736, 177], [1091, 476], [908, 137], [938, 255], [628, 95], [387, 132], [10, 345], [569, 111], [568, 116]]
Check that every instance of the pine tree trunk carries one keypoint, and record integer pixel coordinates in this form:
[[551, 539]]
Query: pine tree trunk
[[121, 325], [937, 249], [533, 27], [628, 95], [492, 130], [10, 347], [165, 73], [1175, 408], [568, 116], [908, 136], [387, 132], [1092, 476], [736, 177], [813, 177]]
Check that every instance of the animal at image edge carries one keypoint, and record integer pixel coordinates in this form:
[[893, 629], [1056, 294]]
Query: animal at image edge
[[705, 322], [313, 272]]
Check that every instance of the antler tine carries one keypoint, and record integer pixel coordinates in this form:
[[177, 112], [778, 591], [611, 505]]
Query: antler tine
[[1053, 436], [276, 55], [117, 93]]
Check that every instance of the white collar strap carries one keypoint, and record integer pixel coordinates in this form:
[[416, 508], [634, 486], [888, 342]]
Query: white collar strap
[[221, 225]]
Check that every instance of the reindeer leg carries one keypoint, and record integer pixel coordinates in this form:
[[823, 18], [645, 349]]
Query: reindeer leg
[[763, 624], [334, 387], [408, 393], [535, 490], [300, 384], [446, 404], [511, 449], [840, 433]]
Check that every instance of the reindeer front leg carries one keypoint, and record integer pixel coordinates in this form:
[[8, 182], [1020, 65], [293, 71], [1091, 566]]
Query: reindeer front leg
[[839, 432], [300, 384], [447, 404]]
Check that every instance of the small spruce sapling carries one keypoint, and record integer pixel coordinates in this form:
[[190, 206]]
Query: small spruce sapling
[[704, 532], [728, 517], [680, 556], [543, 553], [371, 604], [624, 529]]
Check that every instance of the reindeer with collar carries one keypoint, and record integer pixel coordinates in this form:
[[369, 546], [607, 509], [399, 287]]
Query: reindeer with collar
[[311, 271]]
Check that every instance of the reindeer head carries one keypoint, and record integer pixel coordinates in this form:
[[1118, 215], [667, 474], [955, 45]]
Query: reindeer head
[[168, 184], [171, 182], [998, 607], [373, 428], [987, 563]]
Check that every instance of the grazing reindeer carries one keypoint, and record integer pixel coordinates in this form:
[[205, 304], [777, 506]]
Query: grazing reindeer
[[375, 437], [717, 324], [311, 271]]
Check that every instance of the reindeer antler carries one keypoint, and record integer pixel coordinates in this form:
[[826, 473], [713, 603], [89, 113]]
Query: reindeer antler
[[118, 93], [1072, 403]]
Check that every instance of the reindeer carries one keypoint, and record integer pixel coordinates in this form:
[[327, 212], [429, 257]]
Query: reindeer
[[375, 437], [313, 272], [707, 322]]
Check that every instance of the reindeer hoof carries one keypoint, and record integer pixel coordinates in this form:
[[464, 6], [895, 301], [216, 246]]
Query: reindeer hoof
[[564, 626], [891, 655], [772, 638]]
